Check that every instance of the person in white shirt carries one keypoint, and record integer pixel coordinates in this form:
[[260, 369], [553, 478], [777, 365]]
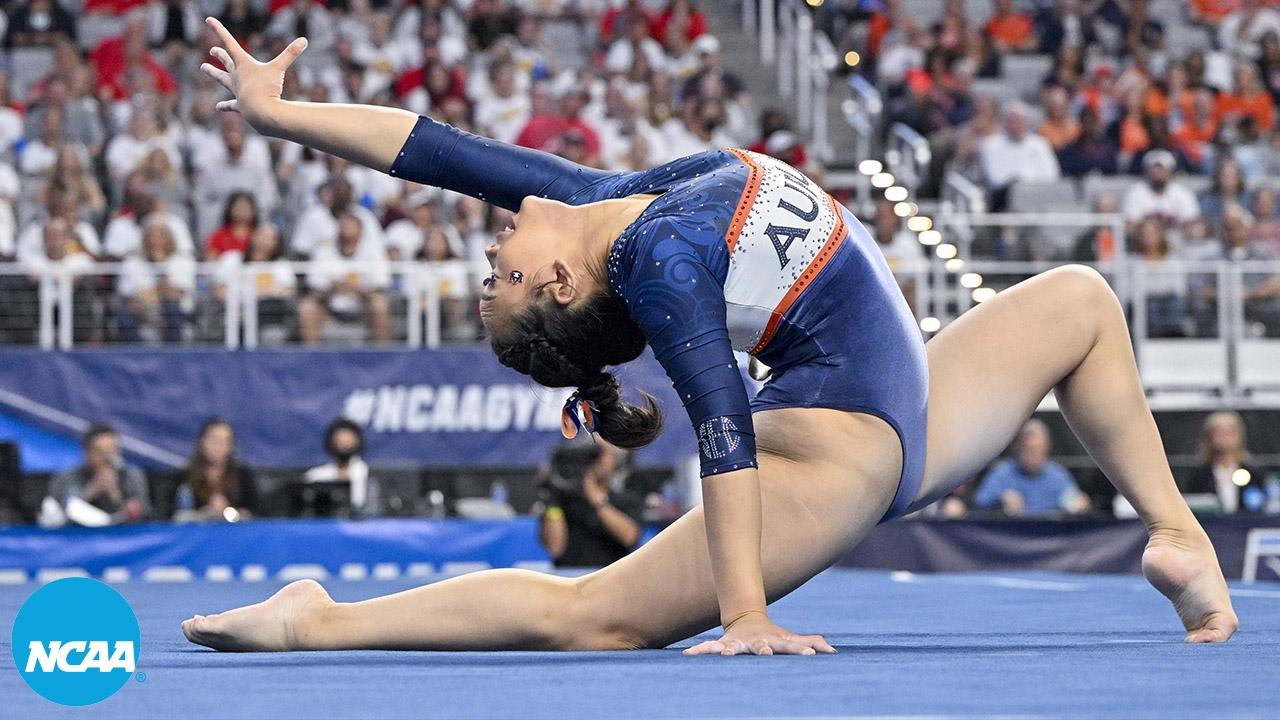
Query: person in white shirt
[[348, 281], [1017, 154], [127, 150], [316, 229], [236, 169], [1159, 195], [623, 51], [1242, 31], [697, 129], [501, 113], [156, 289]]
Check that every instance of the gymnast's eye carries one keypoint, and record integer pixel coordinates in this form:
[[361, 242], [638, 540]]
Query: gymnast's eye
[[517, 277]]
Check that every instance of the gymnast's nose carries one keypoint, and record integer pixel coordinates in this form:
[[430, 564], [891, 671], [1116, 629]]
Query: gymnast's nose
[[491, 252]]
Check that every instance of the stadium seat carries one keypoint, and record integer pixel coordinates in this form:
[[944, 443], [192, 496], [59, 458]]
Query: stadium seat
[[27, 65], [1059, 195]]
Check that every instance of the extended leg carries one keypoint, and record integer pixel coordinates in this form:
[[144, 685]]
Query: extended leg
[[826, 478], [1065, 331]]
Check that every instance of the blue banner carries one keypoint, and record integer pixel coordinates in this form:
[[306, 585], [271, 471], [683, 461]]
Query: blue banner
[[435, 408], [281, 549]]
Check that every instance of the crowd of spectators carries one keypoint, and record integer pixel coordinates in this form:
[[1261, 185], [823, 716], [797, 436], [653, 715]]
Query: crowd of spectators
[[111, 149], [1126, 93]]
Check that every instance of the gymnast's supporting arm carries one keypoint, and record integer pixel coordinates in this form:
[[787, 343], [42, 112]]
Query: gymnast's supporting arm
[[390, 140]]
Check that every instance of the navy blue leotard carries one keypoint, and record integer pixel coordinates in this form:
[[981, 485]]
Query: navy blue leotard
[[738, 251]]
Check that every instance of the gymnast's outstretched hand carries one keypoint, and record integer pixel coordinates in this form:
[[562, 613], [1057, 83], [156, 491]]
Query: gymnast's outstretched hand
[[755, 634], [255, 86], [364, 134]]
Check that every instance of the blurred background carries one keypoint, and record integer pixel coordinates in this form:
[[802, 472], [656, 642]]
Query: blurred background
[[213, 344]]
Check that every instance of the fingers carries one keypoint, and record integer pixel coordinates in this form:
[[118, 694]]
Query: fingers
[[290, 53], [792, 645], [229, 42], [223, 57], [819, 643], [229, 106], [710, 647], [222, 76]]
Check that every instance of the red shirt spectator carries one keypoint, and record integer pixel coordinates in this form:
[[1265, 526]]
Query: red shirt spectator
[[112, 7], [239, 220], [114, 58], [683, 14]]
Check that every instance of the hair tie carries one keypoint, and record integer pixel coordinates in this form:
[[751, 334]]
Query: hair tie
[[578, 414]]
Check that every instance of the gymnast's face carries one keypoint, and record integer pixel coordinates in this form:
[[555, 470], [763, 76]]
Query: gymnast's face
[[525, 261]]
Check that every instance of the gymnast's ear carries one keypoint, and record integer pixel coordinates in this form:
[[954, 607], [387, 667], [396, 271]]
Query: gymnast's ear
[[562, 288]]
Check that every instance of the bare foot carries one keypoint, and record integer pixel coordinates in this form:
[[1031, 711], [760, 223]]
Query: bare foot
[[1184, 568], [270, 626]]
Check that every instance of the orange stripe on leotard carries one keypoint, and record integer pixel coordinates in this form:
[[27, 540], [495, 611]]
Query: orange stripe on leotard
[[806, 278], [754, 175]]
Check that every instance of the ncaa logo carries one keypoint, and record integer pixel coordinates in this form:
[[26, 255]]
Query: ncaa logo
[[76, 641]]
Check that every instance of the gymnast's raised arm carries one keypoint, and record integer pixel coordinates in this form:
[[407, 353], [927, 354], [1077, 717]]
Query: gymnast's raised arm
[[389, 140]]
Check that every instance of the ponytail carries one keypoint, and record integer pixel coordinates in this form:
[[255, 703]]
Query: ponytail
[[571, 347]]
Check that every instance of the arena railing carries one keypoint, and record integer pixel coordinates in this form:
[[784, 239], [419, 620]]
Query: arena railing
[[804, 59], [60, 309]]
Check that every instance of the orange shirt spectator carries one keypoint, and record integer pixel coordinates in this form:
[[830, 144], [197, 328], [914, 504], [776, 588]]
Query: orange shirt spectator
[[1060, 133], [1212, 12], [1257, 105], [1009, 30], [1134, 136]]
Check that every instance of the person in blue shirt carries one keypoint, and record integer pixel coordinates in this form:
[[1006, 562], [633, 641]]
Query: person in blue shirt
[[858, 423], [1030, 483]]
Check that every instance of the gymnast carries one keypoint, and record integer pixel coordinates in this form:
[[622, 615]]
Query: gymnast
[[719, 251]]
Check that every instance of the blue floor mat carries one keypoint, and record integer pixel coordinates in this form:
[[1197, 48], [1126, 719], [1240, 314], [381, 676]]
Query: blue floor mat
[[953, 646]]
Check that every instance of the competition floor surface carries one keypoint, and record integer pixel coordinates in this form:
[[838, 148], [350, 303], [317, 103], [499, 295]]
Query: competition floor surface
[[1026, 645]]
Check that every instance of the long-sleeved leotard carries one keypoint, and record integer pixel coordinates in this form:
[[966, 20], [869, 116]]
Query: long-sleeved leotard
[[739, 251]]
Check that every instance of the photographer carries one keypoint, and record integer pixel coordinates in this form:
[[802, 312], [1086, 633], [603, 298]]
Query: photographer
[[586, 522]]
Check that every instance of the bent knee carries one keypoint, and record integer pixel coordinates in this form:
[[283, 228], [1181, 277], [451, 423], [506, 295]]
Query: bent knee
[[1081, 286], [595, 621]]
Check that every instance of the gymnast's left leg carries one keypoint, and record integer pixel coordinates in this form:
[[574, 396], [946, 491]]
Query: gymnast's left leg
[[826, 478]]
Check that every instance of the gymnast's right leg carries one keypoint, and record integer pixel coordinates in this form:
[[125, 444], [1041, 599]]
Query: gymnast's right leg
[[1064, 331]]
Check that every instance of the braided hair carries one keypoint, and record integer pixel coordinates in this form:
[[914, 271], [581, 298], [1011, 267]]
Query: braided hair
[[571, 346]]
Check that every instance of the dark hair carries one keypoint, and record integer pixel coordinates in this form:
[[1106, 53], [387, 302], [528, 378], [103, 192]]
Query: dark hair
[[96, 431], [571, 347], [231, 201], [343, 424], [197, 471]]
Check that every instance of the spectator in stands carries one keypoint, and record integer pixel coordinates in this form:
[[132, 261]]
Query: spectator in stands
[[72, 179], [316, 231], [1248, 99], [157, 290], [1064, 24], [587, 519], [1255, 152], [274, 282], [128, 150], [1243, 29], [123, 236], [216, 484], [1099, 244], [164, 183], [39, 23], [1164, 283], [344, 444], [60, 257], [234, 164], [680, 21], [1158, 194], [1010, 31], [1261, 289], [1227, 190], [1265, 232], [1199, 130], [347, 282], [304, 18], [503, 110], [901, 249], [1030, 484], [81, 121], [239, 220], [1059, 128], [103, 491], [1227, 471], [1092, 151], [1016, 155]]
